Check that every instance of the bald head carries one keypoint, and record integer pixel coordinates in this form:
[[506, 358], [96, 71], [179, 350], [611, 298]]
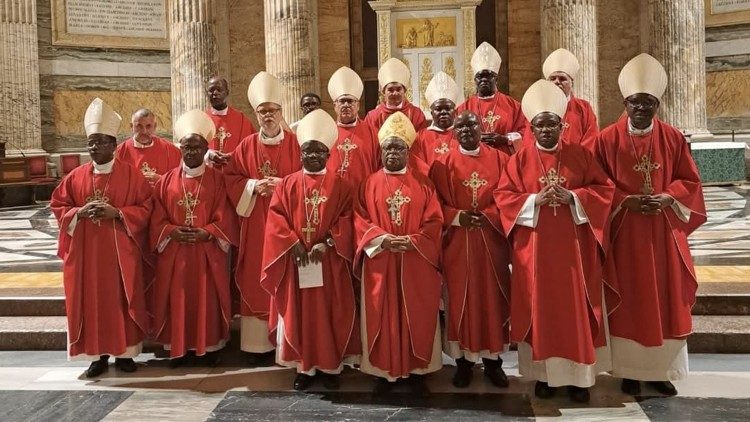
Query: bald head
[[217, 91], [141, 113], [467, 130]]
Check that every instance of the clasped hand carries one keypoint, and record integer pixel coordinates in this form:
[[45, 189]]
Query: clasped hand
[[648, 204], [397, 243], [191, 235], [553, 193], [303, 258], [472, 220], [98, 210], [265, 187]]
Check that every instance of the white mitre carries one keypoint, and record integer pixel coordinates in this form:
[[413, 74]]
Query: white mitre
[[101, 118], [442, 86], [485, 57], [264, 88], [643, 74], [543, 96], [561, 60], [318, 126], [394, 70], [194, 122], [345, 81]]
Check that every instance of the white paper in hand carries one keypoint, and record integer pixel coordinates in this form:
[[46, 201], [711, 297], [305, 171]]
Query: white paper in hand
[[310, 276]]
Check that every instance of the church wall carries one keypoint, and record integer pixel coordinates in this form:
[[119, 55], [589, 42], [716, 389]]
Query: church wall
[[70, 77], [728, 78]]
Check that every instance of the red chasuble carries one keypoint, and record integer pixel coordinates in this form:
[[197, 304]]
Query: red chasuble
[[477, 274], [251, 160], [103, 263], [356, 153], [579, 125], [499, 114], [161, 157], [649, 259], [556, 282], [379, 114], [433, 143], [191, 292], [401, 291], [319, 323], [231, 129]]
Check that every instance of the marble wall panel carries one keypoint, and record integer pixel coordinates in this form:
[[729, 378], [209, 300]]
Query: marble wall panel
[[524, 59], [728, 99], [246, 50], [333, 38]]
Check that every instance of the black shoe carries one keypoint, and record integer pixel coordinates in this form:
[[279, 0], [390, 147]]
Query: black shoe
[[464, 374], [543, 390], [303, 382], [418, 385], [493, 369], [97, 367], [664, 387], [578, 394], [631, 387], [210, 359], [180, 361], [382, 387], [331, 381], [125, 365], [260, 359]]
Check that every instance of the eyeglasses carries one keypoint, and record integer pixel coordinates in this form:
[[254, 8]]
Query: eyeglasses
[[267, 112], [346, 101], [646, 105]]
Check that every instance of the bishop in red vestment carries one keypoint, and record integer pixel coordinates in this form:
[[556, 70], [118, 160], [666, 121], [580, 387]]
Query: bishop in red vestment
[[502, 121], [356, 153], [437, 141], [395, 79], [252, 173], [658, 202], [554, 207], [152, 155], [398, 224], [232, 126], [307, 263], [102, 209], [474, 246], [192, 227]]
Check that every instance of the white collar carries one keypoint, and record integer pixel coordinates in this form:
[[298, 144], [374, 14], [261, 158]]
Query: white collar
[[273, 140], [489, 97], [402, 171], [105, 168], [352, 124], [473, 153], [191, 173], [398, 107], [554, 148], [139, 145], [640, 132], [314, 173], [216, 112], [437, 129]]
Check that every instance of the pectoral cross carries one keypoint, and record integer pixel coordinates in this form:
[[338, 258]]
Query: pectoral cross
[[97, 196], [315, 200], [189, 203], [146, 169], [346, 147], [221, 135], [394, 205], [489, 121], [645, 166], [552, 178], [565, 125], [442, 149], [474, 183], [266, 170]]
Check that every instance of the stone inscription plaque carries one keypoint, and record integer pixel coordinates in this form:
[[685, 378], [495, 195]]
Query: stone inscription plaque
[[138, 24], [729, 6]]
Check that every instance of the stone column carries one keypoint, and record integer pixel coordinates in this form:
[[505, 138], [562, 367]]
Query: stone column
[[291, 50], [194, 54], [19, 78], [470, 44], [677, 39], [571, 24]]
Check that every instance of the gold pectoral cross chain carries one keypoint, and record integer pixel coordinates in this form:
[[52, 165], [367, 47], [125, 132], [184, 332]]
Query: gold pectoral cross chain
[[474, 183]]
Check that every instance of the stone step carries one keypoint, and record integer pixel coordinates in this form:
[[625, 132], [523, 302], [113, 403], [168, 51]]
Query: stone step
[[33, 333], [729, 298], [32, 306], [720, 334]]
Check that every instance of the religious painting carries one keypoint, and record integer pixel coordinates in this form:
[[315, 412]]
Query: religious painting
[[426, 32], [131, 24], [727, 12]]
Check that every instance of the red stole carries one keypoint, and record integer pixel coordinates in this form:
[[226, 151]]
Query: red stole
[[649, 258], [499, 114], [401, 291], [557, 274], [320, 323], [161, 157], [191, 291], [356, 153], [103, 263], [231, 129], [246, 163], [432, 144], [379, 114], [477, 276]]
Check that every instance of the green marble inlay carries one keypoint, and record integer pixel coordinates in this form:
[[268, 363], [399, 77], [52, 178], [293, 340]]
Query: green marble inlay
[[720, 165]]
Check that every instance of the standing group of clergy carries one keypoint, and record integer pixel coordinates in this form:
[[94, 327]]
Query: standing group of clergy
[[341, 244]]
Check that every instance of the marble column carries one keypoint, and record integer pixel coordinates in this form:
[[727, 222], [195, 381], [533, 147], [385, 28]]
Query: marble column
[[19, 78], [676, 33], [291, 50], [571, 24], [194, 54]]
